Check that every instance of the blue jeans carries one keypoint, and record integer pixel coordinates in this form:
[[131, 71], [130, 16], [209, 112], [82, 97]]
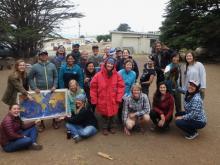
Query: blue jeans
[[22, 143], [77, 130], [190, 126]]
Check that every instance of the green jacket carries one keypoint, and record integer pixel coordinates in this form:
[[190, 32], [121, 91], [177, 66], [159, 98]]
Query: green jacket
[[14, 85]]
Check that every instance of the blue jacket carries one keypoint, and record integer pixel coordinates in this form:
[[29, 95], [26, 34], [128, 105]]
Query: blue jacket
[[194, 109], [68, 73], [43, 76], [129, 79]]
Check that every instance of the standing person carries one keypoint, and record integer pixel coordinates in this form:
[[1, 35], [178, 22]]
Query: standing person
[[83, 59], [129, 77], [59, 59], [82, 123], [136, 110], [74, 90], [194, 116], [163, 105], [106, 52], [195, 71], [96, 58], [173, 80], [162, 59], [70, 71], [147, 76], [15, 135], [118, 54], [17, 82], [76, 53], [127, 55], [43, 76], [89, 73], [106, 90]]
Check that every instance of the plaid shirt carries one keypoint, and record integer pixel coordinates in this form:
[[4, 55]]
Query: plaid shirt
[[139, 107]]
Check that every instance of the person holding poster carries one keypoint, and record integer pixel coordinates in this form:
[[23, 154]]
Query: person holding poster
[[16, 135]]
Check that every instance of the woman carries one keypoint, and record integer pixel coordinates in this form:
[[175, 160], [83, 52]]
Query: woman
[[136, 110], [74, 90], [195, 71], [70, 71], [15, 135], [163, 105], [17, 82], [59, 59], [193, 117], [173, 80], [127, 55], [106, 90], [83, 123], [89, 73], [147, 76], [129, 77]]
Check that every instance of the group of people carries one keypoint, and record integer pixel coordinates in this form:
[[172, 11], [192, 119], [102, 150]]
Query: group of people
[[109, 85]]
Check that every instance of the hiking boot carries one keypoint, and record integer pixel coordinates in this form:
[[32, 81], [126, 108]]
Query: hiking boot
[[112, 130], [36, 147], [105, 131], [193, 136], [41, 126], [55, 124]]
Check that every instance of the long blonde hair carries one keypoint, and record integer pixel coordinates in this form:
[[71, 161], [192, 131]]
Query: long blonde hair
[[16, 72]]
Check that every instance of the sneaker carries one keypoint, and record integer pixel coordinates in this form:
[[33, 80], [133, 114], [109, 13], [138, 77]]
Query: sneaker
[[193, 136], [36, 146], [77, 139]]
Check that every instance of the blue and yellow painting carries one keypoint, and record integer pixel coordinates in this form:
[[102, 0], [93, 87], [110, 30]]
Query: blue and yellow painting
[[44, 105]]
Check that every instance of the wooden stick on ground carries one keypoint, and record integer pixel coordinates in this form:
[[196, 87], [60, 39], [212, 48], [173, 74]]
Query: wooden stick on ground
[[105, 155]]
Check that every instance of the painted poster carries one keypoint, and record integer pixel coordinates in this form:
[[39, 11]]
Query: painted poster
[[44, 105]]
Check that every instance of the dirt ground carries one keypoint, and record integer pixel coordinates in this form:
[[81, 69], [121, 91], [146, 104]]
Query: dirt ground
[[151, 148]]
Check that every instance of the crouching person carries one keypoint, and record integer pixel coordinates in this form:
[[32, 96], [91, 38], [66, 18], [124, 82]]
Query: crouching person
[[136, 110], [15, 134], [194, 116], [82, 123]]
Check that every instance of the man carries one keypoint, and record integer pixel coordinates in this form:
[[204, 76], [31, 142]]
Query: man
[[82, 123], [83, 59], [118, 54], [136, 110], [43, 76], [76, 53], [96, 58], [161, 58]]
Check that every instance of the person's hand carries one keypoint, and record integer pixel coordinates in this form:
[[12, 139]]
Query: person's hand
[[53, 89], [126, 131], [178, 118], [37, 122], [161, 123], [86, 79], [37, 90], [131, 115], [30, 97], [61, 118]]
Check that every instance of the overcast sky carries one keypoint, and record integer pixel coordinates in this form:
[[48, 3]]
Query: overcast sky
[[102, 16]]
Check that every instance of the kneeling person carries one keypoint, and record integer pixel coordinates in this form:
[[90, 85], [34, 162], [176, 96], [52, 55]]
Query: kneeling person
[[136, 109], [82, 123]]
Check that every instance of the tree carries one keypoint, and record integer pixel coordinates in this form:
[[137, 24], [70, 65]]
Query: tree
[[192, 23], [25, 24], [124, 27], [103, 37]]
